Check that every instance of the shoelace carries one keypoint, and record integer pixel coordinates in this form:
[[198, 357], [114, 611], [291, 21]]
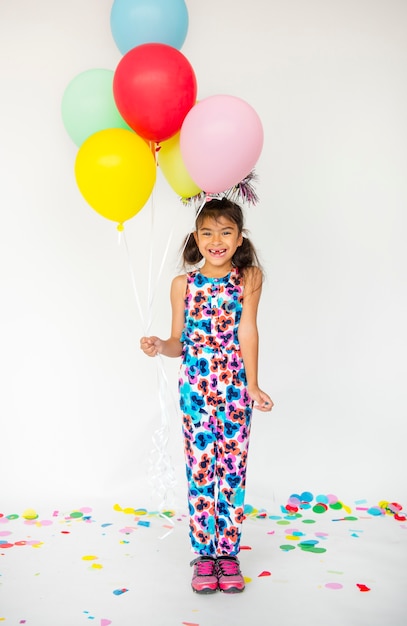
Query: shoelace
[[204, 567], [228, 567]]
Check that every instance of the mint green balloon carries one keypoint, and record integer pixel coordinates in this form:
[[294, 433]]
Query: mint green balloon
[[88, 105]]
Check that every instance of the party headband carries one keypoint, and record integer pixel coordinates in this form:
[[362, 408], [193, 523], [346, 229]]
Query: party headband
[[243, 191]]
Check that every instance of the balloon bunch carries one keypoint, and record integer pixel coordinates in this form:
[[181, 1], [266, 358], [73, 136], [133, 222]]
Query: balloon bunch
[[144, 112]]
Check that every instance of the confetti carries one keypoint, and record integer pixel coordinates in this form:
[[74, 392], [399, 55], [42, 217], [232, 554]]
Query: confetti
[[362, 587], [118, 592], [287, 548], [89, 557], [334, 586], [30, 514], [264, 573], [320, 508]]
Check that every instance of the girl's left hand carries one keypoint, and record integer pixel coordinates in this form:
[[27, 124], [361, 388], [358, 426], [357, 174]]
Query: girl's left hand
[[262, 401]]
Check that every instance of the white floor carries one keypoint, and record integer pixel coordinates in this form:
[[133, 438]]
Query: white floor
[[47, 577]]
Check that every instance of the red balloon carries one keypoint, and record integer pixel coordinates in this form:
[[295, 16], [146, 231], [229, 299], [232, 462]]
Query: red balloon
[[154, 87]]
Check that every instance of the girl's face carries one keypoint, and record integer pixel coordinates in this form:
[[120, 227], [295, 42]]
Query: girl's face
[[217, 241]]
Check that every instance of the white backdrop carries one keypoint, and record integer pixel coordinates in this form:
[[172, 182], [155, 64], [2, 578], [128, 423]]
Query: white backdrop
[[78, 399]]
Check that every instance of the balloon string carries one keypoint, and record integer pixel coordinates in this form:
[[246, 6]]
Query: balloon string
[[161, 472], [163, 262], [150, 268], [181, 254], [122, 237]]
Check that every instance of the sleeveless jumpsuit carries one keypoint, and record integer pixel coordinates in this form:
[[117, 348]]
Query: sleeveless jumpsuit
[[216, 412]]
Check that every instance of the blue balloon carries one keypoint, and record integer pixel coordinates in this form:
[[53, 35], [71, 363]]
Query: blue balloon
[[135, 22]]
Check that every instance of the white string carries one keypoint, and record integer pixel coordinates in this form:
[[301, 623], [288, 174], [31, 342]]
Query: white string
[[150, 269], [159, 275], [122, 237], [181, 254], [161, 472]]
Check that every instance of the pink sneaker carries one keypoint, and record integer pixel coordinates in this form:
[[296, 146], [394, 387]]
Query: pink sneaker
[[204, 579], [229, 575]]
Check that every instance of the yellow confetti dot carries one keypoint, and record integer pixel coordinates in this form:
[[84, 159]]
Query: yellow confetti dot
[[383, 504], [117, 507], [292, 537], [247, 579], [97, 566], [129, 511], [38, 545], [89, 557], [30, 514]]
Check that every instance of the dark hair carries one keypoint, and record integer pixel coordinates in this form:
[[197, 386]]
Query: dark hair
[[245, 255]]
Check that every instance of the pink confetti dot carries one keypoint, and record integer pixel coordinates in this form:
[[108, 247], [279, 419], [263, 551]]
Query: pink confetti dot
[[334, 586], [85, 510]]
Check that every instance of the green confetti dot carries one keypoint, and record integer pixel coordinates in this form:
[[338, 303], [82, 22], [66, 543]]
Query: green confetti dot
[[308, 521], [319, 508], [316, 550], [76, 514], [287, 547], [336, 506], [283, 522], [350, 518]]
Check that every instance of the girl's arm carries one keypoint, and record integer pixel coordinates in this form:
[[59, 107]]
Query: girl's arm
[[171, 347], [249, 337]]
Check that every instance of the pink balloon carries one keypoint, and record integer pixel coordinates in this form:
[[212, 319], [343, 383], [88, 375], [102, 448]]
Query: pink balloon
[[221, 140]]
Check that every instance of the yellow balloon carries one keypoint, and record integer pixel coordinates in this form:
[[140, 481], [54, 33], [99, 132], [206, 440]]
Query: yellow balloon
[[115, 172], [173, 167]]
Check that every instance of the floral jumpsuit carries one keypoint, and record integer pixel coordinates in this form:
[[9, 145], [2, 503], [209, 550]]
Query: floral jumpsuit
[[216, 412]]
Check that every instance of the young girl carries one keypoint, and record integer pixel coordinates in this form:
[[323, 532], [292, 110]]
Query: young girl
[[214, 329]]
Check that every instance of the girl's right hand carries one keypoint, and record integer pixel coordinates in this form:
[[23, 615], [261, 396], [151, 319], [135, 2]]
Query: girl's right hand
[[151, 346]]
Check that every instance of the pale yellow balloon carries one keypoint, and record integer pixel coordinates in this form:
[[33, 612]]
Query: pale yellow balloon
[[116, 173], [173, 167]]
